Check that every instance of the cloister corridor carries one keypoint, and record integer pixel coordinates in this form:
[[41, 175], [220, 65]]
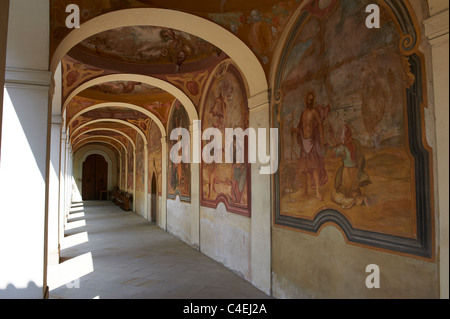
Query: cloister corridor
[[108, 253]]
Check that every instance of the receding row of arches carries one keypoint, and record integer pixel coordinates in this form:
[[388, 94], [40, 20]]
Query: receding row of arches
[[230, 213]]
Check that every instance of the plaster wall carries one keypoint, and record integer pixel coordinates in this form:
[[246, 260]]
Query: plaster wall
[[326, 266], [179, 219], [226, 238], [140, 203]]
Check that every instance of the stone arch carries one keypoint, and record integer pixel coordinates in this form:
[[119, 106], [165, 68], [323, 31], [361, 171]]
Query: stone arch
[[113, 130], [114, 121], [176, 92], [88, 139], [237, 50]]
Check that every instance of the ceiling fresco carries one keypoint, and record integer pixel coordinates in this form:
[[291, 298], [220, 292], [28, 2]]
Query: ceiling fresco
[[174, 56], [149, 45], [258, 23]]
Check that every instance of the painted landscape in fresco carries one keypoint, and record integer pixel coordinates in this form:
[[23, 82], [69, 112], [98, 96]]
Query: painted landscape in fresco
[[179, 175], [343, 123], [226, 107]]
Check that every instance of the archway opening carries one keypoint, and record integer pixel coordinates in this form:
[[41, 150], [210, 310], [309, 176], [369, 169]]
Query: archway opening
[[95, 178]]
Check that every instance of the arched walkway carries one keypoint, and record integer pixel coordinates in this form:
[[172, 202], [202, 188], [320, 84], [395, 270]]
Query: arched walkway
[[202, 28], [148, 263]]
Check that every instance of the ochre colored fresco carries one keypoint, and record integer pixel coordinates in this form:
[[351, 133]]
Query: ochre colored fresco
[[343, 123], [140, 170], [178, 174], [226, 107], [258, 23], [75, 73], [148, 45]]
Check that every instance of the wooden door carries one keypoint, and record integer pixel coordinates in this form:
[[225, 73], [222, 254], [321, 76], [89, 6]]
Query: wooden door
[[95, 177]]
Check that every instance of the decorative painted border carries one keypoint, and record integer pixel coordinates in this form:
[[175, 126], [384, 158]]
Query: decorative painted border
[[184, 199], [422, 246]]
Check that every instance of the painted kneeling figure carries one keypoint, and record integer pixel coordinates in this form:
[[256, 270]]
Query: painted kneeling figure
[[351, 176]]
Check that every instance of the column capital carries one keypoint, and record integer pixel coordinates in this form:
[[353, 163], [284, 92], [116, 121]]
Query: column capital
[[27, 77]]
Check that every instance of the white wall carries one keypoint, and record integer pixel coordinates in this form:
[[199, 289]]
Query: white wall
[[179, 219], [226, 238]]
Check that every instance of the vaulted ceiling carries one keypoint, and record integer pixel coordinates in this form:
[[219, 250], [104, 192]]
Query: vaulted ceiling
[[174, 56]]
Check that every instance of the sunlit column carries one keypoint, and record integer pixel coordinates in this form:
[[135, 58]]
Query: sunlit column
[[67, 179], [62, 185], [23, 165], [53, 198]]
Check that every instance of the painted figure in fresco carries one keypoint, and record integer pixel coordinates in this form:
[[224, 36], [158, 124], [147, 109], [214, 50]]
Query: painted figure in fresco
[[238, 178], [310, 136], [218, 111], [179, 171], [218, 120], [351, 176]]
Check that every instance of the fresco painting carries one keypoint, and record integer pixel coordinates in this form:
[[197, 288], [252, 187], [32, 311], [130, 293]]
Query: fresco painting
[[344, 137], [140, 170], [226, 107], [130, 163], [179, 175]]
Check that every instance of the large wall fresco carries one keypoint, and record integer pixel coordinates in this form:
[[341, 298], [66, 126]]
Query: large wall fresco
[[140, 168], [347, 153], [130, 167], [225, 106], [178, 174]]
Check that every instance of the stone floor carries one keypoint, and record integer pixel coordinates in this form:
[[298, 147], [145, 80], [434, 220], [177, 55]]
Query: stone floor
[[111, 254]]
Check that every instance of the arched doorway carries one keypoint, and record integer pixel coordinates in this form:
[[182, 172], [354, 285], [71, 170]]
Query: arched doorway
[[94, 178], [153, 199]]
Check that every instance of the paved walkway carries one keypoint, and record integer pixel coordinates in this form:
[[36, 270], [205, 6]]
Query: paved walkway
[[111, 254]]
